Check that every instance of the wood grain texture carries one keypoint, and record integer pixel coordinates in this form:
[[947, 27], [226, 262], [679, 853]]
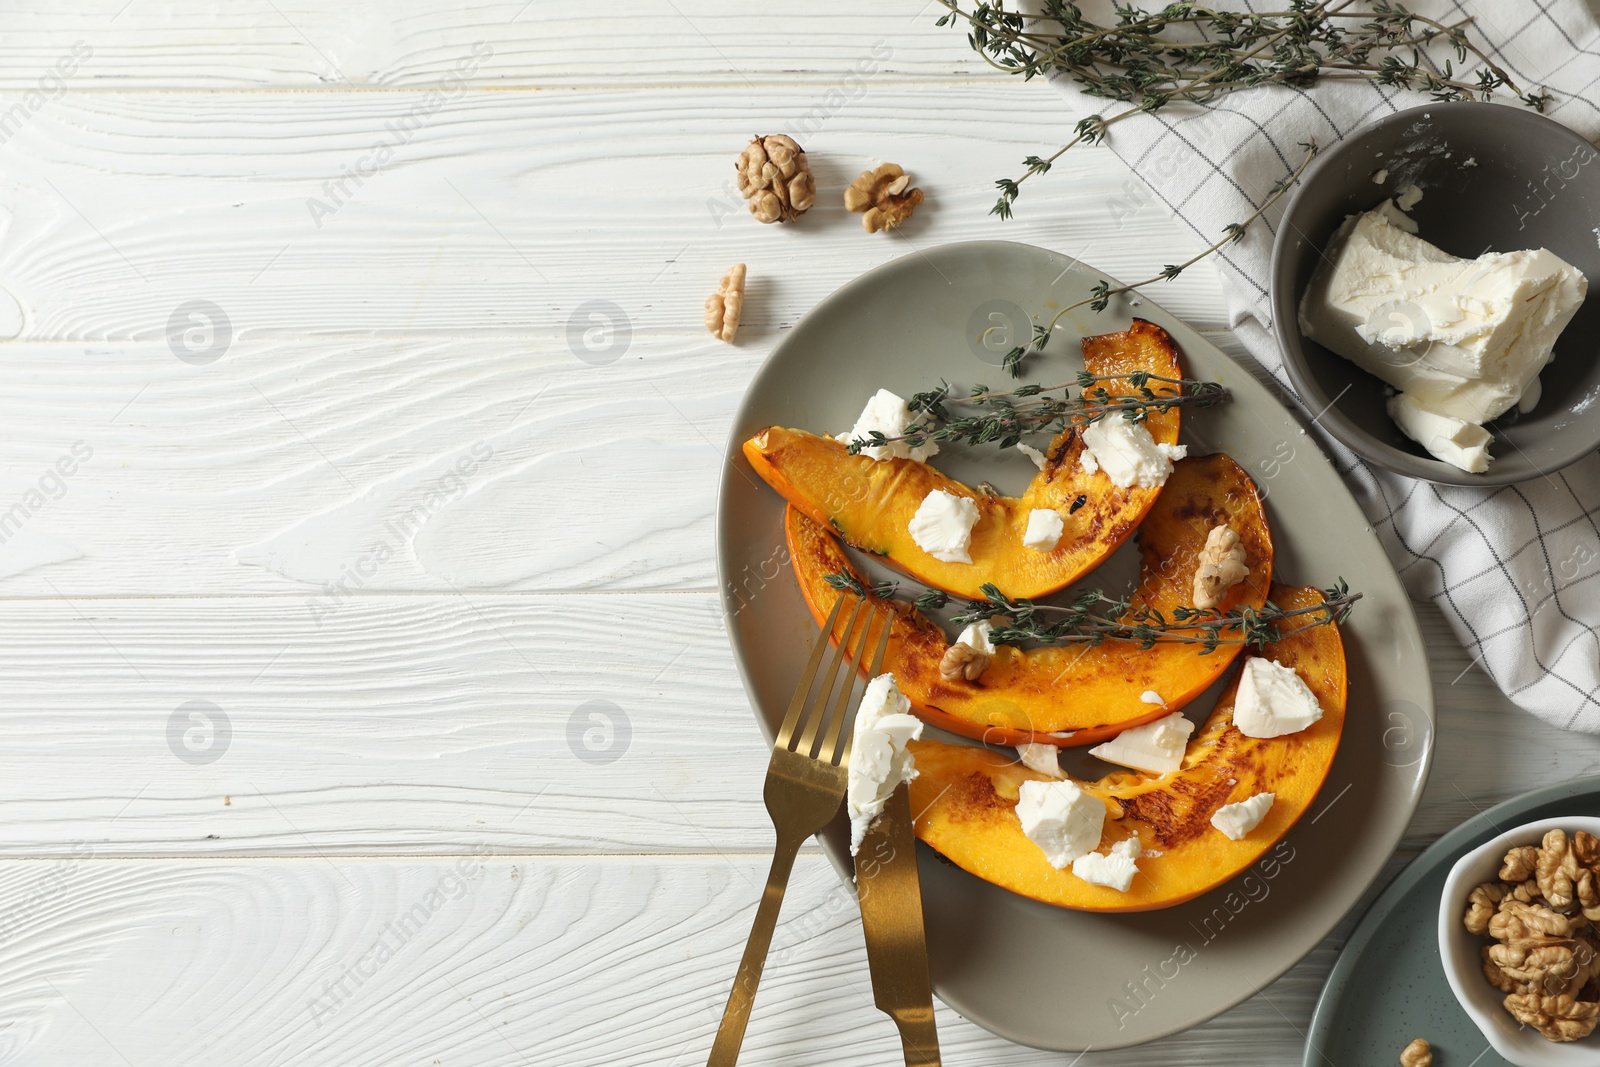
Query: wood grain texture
[[190, 44], [479, 959], [503, 213]]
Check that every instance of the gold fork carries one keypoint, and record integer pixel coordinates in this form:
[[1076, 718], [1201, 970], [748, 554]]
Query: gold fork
[[803, 793]]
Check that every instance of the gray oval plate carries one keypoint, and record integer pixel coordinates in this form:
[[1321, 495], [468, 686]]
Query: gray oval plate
[[1036, 974], [1388, 986]]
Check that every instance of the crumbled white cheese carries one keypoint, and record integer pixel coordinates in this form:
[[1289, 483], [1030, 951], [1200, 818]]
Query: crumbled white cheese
[[942, 526], [1273, 700], [1462, 338], [1063, 820], [1237, 820], [1115, 870], [1408, 198], [889, 415], [1032, 453], [1150, 696], [879, 761], [1127, 453], [1046, 759], [1045, 527], [1381, 177], [1460, 444], [1156, 747], [976, 636]]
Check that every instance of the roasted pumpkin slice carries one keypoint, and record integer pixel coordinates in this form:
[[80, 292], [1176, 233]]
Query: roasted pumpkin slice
[[871, 502], [1086, 693], [967, 795]]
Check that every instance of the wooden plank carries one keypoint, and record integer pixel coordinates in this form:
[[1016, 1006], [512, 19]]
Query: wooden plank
[[422, 724], [189, 44], [205, 220], [480, 959]]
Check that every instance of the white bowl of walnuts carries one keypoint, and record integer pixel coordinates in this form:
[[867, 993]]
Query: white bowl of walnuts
[[1519, 937]]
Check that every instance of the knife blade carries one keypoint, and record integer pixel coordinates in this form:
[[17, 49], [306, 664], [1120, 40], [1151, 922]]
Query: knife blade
[[891, 916]]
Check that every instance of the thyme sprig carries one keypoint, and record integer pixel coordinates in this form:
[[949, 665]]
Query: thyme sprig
[[1100, 293], [1094, 617], [1190, 52], [1009, 416]]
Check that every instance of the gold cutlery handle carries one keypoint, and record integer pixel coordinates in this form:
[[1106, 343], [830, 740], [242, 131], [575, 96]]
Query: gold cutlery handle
[[890, 893], [736, 1016]]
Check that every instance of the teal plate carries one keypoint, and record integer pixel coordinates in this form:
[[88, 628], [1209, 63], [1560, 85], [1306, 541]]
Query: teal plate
[[1388, 986]]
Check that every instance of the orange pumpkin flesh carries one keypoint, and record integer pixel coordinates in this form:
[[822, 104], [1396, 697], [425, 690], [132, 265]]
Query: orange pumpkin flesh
[[871, 502], [966, 796], [1028, 695]]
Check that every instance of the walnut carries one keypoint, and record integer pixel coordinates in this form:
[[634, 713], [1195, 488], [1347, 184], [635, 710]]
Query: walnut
[[775, 177], [1498, 978], [1482, 904], [1587, 848], [724, 305], [962, 661], [1221, 567], [1417, 1054], [1559, 1018], [1519, 864], [1556, 869], [883, 197], [1547, 965], [1516, 921]]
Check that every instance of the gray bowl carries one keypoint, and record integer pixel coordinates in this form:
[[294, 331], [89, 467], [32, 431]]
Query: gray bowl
[[1531, 183]]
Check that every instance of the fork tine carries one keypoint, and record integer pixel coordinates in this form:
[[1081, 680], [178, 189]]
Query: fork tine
[[817, 712], [798, 703], [836, 725], [841, 708], [877, 666]]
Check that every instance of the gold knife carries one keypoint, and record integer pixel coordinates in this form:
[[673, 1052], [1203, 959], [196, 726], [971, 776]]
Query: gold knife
[[891, 915]]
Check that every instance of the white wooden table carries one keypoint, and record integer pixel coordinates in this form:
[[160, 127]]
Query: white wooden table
[[328, 529]]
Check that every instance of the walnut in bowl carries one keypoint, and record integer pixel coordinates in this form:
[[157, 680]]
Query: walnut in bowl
[[1519, 938]]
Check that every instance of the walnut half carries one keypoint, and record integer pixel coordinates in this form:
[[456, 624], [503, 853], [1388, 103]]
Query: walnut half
[[1558, 1018], [1221, 567], [776, 179], [724, 306], [882, 198], [962, 661], [1417, 1054]]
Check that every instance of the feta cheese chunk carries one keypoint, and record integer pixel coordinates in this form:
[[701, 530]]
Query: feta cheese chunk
[[879, 761], [1045, 759], [1273, 700], [976, 636], [1237, 820], [889, 415], [1460, 444], [1045, 527], [1127, 453], [1463, 338], [1032, 453], [1156, 747], [942, 526], [1150, 696], [1063, 820], [1114, 870]]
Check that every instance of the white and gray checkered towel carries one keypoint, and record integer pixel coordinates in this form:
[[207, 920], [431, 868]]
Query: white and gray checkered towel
[[1512, 568]]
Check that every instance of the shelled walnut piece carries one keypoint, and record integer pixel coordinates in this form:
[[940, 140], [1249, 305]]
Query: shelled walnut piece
[[962, 661], [776, 179], [1546, 951], [1417, 1054], [882, 198], [724, 306], [1221, 567]]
